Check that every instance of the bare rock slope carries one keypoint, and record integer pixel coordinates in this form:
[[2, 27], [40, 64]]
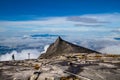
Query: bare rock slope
[[61, 46]]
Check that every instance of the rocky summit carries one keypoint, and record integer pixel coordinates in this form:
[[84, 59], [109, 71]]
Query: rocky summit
[[60, 47], [65, 61]]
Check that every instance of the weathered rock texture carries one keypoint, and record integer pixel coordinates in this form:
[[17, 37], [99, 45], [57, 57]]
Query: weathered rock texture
[[60, 47]]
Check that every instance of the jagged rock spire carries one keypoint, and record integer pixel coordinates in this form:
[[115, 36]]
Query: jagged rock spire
[[58, 40], [61, 46]]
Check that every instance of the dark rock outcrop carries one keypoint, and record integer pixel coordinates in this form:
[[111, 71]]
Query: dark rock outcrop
[[61, 46]]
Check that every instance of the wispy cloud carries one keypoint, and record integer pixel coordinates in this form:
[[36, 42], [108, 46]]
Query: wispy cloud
[[116, 30], [85, 19], [108, 17], [66, 23], [88, 25], [47, 21]]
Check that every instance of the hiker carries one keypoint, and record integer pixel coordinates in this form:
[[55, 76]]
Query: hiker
[[13, 57], [28, 55]]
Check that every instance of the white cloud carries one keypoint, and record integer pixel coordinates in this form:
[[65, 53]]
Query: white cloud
[[20, 55], [34, 54], [45, 48], [111, 49], [84, 19], [116, 30], [25, 41], [14, 41], [110, 17], [49, 22]]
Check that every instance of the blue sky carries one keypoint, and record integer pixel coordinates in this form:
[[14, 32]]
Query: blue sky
[[100, 18], [30, 9]]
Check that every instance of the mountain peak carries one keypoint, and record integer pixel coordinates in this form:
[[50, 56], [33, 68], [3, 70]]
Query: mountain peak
[[59, 38], [61, 46]]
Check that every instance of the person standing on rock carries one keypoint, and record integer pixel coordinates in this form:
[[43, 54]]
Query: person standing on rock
[[29, 56], [13, 57]]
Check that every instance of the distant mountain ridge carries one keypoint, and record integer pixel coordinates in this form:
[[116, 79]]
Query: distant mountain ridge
[[61, 46], [44, 35], [117, 38]]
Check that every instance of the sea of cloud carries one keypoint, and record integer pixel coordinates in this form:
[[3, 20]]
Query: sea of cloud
[[24, 54], [34, 45], [111, 49]]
